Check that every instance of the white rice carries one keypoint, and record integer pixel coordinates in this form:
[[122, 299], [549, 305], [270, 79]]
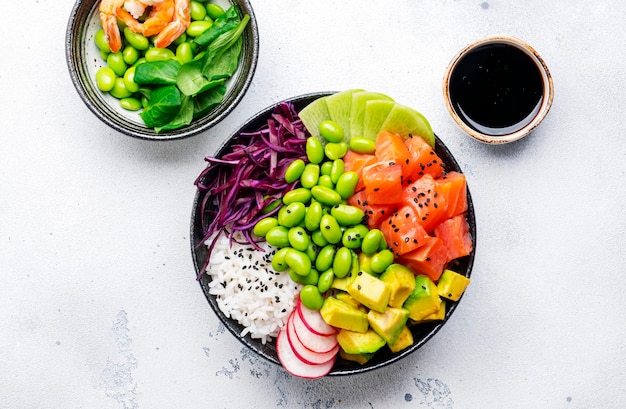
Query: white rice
[[248, 290]]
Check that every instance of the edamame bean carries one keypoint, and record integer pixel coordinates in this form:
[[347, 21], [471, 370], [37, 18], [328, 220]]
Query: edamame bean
[[346, 184], [326, 168], [337, 170], [130, 55], [270, 207], [311, 297], [101, 41], [264, 225], [325, 195], [325, 280], [182, 39], [115, 61], [294, 170], [313, 216], [299, 239], [300, 194], [197, 10], [196, 28], [355, 267], [334, 150], [330, 229], [130, 104], [298, 261], [119, 90], [360, 144], [352, 238], [365, 263], [331, 131], [129, 80], [381, 260], [105, 79], [184, 52], [342, 262], [292, 214], [136, 40], [325, 257], [347, 215], [214, 11], [158, 54], [310, 175], [326, 181], [318, 238], [311, 251], [278, 236], [310, 279], [371, 242], [314, 150], [278, 260]]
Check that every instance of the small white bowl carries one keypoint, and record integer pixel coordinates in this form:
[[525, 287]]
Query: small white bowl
[[486, 133]]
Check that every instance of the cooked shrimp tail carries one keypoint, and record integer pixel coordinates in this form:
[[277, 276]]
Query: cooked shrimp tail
[[108, 19], [158, 18], [177, 26]]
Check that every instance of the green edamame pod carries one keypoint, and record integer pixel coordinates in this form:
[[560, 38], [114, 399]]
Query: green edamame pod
[[361, 144], [318, 238], [330, 229], [310, 175], [342, 262], [294, 170], [325, 280], [337, 170], [325, 195], [334, 150], [311, 297], [278, 236], [325, 257], [300, 194], [314, 150], [313, 216], [298, 261], [347, 215], [371, 242], [278, 260], [264, 225], [346, 184], [381, 260], [331, 131], [299, 239], [292, 214]]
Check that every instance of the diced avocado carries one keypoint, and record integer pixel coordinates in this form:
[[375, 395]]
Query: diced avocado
[[451, 285], [404, 340], [347, 298], [365, 264], [370, 291], [342, 315], [360, 342], [388, 324], [341, 283], [401, 281], [424, 300], [358, 358], [439, 315]]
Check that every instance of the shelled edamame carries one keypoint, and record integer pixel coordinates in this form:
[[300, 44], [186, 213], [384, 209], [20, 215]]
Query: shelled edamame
[[320, 237]]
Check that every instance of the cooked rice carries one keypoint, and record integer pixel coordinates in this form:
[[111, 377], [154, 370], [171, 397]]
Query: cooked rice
[[248, 290]]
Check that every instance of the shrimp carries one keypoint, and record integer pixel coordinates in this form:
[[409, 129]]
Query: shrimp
[[160, 15], [177, 26], [108, 19]]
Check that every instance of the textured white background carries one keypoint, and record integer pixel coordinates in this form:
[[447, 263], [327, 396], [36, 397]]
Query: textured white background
[[98, 303]]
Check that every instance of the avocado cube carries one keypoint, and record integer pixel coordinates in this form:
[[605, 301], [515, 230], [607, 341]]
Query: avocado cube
[[424, 300], [354, 342], [401, 281], [437, 316], [451, 285], [370, 291], [404, 340], [341, 283], [358, 358], [343, 315], [347, 298], [365, 262], [388, 324]]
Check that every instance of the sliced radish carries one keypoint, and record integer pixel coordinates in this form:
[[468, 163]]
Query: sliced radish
[[314, 321], [294, 365], [305, 354], [311, 340]]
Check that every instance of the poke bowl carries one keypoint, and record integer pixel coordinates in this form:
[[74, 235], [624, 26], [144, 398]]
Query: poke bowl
[[183, 90], [257, 253]]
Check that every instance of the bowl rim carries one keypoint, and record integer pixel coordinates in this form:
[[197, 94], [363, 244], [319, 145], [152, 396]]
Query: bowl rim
[[548, 87], [266, 351], [74, 52]]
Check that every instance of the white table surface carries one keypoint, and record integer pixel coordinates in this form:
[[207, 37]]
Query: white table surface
[[99, 307]]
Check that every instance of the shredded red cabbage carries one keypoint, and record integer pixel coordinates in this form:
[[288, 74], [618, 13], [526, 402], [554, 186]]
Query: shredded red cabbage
[[238, 186]]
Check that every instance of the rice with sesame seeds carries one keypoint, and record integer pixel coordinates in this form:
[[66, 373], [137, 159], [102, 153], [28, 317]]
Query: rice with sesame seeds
[[248, 290]]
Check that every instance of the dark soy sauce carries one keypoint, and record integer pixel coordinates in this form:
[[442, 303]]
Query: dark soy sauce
[[496, 89]]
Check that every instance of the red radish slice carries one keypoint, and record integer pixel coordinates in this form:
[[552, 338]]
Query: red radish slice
[[314, 321], [295, 366], [304, 353], [314, 342]]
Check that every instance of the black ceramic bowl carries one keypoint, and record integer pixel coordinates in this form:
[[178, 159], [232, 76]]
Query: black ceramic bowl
[[83, 59], [421, 333]]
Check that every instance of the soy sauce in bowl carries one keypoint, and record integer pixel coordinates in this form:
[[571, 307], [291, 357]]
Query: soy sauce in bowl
[[498, 89]]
